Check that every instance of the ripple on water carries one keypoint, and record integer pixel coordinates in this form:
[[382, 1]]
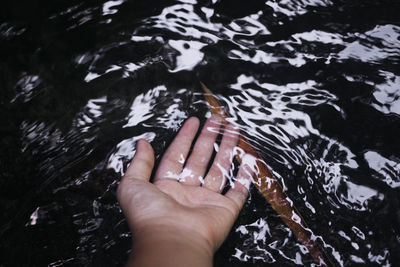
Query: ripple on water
[[311, 83]]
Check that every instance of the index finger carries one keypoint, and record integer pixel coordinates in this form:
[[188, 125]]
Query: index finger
[[173, 159]]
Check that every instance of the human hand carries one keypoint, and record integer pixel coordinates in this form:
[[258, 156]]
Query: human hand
[[183, 209]]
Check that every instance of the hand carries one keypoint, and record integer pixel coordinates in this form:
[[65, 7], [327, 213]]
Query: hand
[[183, 209]]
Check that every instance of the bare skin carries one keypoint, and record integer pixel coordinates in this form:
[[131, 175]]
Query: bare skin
[[182, 218]]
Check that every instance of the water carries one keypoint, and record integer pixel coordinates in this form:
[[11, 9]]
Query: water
[[314, 84]]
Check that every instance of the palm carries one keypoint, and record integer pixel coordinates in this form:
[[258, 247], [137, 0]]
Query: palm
[[180, 197]]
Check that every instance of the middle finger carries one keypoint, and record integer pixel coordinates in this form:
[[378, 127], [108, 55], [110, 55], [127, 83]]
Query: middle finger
[[197, 163]]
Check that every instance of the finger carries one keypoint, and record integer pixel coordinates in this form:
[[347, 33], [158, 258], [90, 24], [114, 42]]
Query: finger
[[142, 163], [172, 162], [198, 161], [219, 171], [240, 188]]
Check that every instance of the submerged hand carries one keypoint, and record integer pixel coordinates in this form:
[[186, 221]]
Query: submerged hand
[[183, 209]]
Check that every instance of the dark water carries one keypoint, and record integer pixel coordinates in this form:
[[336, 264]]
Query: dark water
[[314, 84]]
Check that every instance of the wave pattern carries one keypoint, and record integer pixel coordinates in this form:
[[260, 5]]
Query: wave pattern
[[313, 84]]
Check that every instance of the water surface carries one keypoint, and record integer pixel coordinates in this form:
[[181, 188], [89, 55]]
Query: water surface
[[314, 84]]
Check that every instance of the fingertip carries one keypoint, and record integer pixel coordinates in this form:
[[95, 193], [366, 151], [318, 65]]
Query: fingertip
[[232, 131], [215, 118], [143, 144], [144, 148], [142, 163], [213, 125], [190, 127], [193, 121]]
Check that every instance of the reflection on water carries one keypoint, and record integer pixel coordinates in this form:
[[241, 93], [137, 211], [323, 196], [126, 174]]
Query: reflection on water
[[313, 84]]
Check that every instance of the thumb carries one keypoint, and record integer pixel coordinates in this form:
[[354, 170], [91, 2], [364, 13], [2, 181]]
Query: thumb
[[142, 163]]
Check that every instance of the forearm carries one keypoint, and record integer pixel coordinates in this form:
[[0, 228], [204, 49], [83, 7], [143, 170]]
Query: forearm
[[168, 248]]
